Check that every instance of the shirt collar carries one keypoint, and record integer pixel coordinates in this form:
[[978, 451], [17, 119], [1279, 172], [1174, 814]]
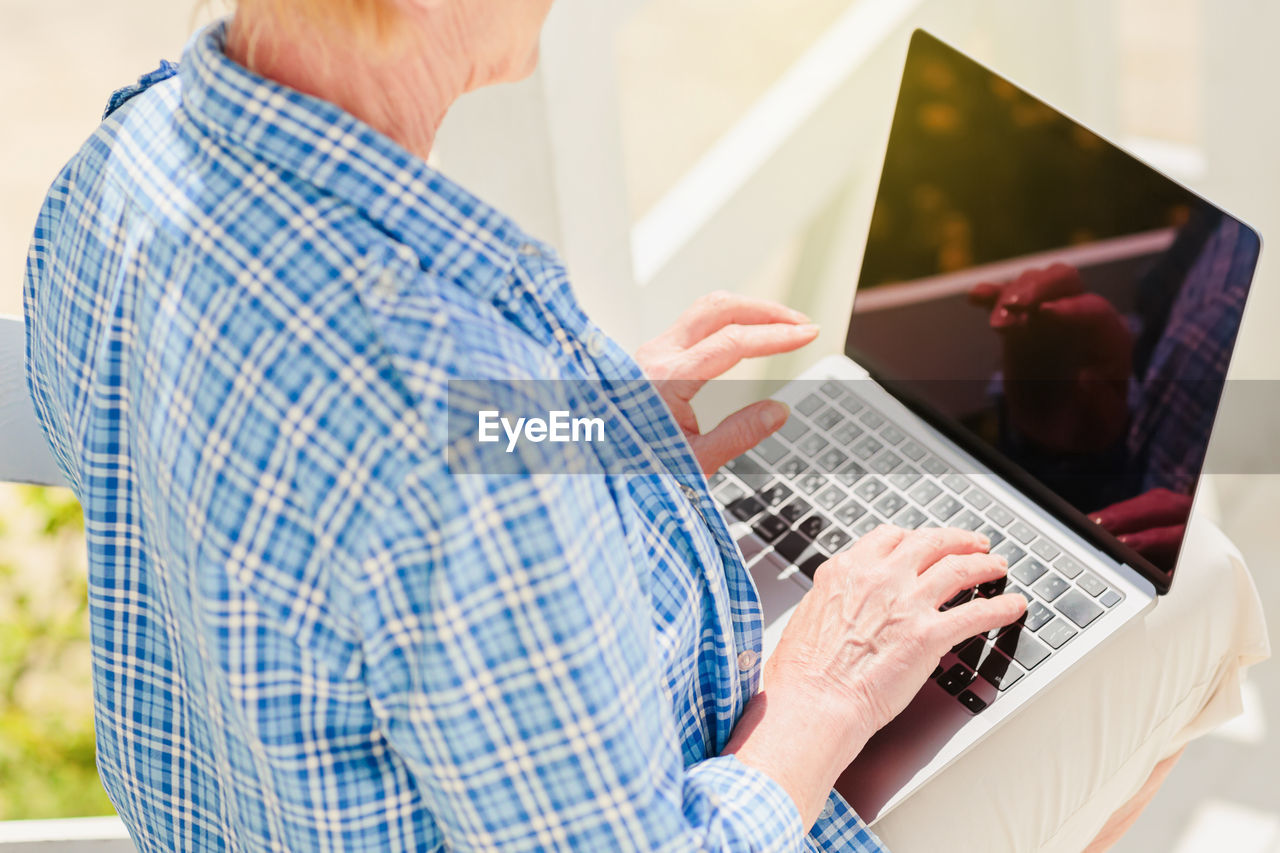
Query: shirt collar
[[455, 235]]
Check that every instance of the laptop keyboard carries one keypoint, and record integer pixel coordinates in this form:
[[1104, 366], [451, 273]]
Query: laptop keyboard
[[839, 468]]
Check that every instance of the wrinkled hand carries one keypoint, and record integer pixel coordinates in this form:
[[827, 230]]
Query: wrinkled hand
[[1067, 356], [1152, 524], [717, 332], [868, 634]]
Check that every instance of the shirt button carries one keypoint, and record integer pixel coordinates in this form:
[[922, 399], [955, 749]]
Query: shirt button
[[386, 286], [828, 809], [595, 344], [748, 659], [530, 250]]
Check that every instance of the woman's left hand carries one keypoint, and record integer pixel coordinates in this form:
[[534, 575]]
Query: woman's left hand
[[714, 334]]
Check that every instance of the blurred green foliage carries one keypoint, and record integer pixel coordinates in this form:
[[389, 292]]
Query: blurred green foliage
[[47, 765]]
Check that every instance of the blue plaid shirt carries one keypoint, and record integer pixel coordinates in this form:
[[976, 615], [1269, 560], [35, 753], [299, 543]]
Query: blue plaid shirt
[[244, 310]]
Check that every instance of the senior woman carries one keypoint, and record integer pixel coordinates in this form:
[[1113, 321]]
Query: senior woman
[[246, 297]]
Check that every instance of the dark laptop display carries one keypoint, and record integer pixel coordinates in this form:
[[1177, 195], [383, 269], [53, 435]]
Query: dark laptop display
[[1057, 307]]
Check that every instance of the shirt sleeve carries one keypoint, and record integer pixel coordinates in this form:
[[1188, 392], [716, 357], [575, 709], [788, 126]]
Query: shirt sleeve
[[508, 656]]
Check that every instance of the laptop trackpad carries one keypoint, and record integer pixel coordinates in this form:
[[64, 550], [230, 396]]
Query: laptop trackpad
[[901, 750], [779, 593]]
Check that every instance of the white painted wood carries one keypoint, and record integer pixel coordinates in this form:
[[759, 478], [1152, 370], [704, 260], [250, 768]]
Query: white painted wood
[[24, 455], [69, 835], [790, 114]]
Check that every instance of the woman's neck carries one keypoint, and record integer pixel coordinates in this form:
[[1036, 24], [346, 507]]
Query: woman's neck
[[403, 92]]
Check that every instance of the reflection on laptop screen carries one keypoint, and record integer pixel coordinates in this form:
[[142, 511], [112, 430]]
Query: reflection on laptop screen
[[1052, 298]]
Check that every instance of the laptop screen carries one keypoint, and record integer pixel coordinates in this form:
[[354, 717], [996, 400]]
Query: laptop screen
[[1058, 307]]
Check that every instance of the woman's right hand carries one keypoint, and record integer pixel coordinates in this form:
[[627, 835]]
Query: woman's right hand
[[859, 646]]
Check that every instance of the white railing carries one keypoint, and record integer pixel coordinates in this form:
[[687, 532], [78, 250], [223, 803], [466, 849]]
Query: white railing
[[71, 835]]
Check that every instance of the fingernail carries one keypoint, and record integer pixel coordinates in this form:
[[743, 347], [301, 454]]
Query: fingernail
[[776, 414], [986, 543], [810, 328], [1003, 562]]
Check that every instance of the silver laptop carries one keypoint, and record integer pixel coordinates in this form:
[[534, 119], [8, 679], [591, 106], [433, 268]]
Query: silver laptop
[[1037, 350]]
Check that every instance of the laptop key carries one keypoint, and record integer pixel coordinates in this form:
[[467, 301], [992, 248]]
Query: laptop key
[[934, 466], [1019, 644], [890, 503], [1069, 566], [831, 388], [925, 492], [971, 651], [994, 536], [794, 429], [957, 678], [728, 493], [746, 508], [831, 459], [956, 482], [793, 467], [913, 451], [967, 519], [992, 588], [904, 478], [892, 434], [999, 514], [770, 527], [1111, 598], [850, 404], [833, 540], [1036, 616], [846, 433], [1051, 586], [866, 447], [1017, 590], [809, 404], [868, 524], [1044, 549], [792, 546], [885, 462], [1056, 633], [811, 481], [1011, 552], [831, 497], [1091, 584], [749, 471], [1078, 607], [1022, 531], [1028, 572], [872, 418], [828, 418], [812, 444], [774, 494], [850, 511], [972, 701], [812, 526], [944, 507], [869, 489], [850, 474], [910, 518], [716, 479], [810, 564], [771, 450], [795, 510], [978, 499], [1000, 672]]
